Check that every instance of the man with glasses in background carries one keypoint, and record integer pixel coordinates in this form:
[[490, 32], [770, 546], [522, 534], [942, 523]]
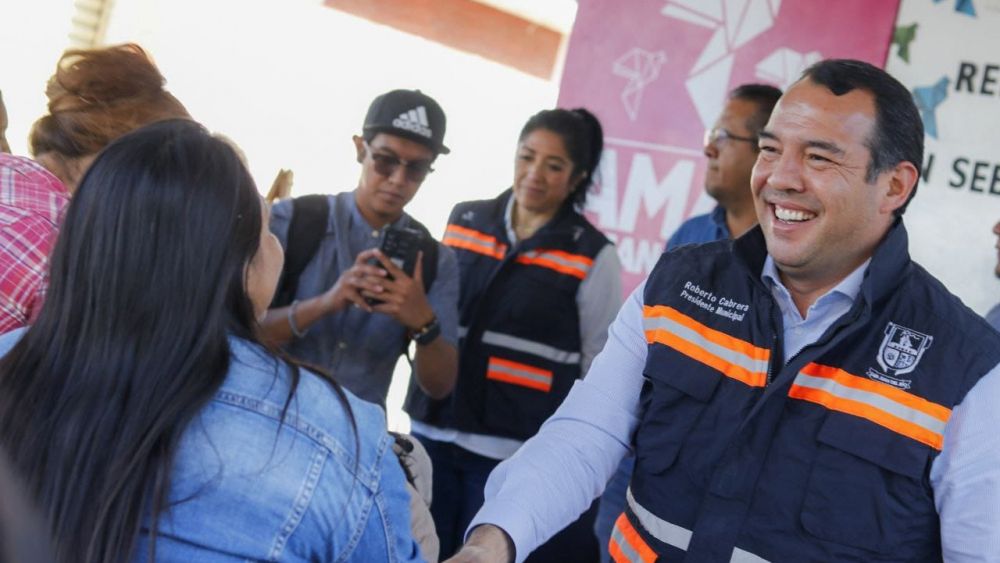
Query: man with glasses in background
[[731, 149], [342, 305]]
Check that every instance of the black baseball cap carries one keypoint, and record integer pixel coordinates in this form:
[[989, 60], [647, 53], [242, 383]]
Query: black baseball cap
[[410, 114]]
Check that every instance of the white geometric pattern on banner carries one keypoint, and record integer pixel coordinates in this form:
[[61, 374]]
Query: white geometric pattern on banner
[[784, 66], [641, 68], [736, 22]]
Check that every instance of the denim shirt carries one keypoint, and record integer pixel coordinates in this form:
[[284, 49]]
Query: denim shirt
[[702, 228], [360, 348], [247, 487]]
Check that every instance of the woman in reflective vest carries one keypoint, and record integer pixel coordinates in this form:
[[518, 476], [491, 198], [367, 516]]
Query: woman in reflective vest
[[540, 285]]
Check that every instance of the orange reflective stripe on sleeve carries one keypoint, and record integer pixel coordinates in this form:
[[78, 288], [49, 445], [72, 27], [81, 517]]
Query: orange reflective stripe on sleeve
[[474, 241], [517, 373], [626, 545], [575, 265], [883, 404], [735, 358]]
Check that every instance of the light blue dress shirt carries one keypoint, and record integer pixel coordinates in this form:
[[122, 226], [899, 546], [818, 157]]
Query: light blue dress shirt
[[554, 477], [993, 317]]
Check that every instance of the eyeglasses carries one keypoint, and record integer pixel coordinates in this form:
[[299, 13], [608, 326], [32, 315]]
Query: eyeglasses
[[387, 164], [719, 134]]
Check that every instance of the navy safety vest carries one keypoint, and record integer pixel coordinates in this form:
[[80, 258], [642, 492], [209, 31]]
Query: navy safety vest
[[519, 349], [741, 457]]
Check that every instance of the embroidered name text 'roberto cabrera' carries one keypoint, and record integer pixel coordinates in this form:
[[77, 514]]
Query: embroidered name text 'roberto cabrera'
[[722, 306]]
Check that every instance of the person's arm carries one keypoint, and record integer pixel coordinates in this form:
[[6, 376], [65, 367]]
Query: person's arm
[[486, 544], [598, 300], [966, 476], [391, 514], [277, 323], [556, 474], [436, 364], [25, 254], [436, 367], [405, 299]]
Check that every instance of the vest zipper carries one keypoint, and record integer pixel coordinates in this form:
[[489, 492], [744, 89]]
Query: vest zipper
[[776, 352]]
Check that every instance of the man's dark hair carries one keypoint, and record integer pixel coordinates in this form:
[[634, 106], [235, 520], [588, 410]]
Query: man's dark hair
[[898, 135], [764, 96]]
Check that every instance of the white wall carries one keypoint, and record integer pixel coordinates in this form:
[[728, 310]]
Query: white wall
[[950, 220], [33, 33], [290, 82]]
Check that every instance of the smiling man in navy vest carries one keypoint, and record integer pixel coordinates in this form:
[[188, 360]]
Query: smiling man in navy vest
[[337, 311], [804, 393]]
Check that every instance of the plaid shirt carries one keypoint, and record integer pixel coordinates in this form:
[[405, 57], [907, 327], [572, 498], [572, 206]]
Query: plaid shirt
[[32, 202]]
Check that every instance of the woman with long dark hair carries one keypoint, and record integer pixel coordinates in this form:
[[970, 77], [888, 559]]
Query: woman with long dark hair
[[142, 411], [539, 286]]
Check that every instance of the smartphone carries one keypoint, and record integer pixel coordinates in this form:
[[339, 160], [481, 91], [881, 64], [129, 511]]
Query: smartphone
[[400, 245]]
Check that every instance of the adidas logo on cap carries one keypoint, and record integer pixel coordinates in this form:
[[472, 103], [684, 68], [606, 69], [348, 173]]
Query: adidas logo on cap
[[415, 121]]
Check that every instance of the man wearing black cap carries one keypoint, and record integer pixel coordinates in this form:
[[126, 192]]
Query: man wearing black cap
[[342, 304]]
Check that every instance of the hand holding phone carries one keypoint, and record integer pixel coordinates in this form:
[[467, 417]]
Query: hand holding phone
[[400, 245]]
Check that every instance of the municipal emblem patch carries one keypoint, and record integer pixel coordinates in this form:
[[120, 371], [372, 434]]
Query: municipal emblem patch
[[902, 348], [899, 354]]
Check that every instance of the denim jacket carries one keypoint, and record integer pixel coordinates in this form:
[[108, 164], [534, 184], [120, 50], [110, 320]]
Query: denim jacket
[[247, 487]]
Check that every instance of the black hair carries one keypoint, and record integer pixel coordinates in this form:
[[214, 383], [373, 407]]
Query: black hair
[[898, 134], [148, 282], [764, 96], [583, 139], [24, 538]]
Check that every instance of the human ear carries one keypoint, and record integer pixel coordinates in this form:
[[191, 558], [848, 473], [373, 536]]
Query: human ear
[[902, 181], [359, 147]]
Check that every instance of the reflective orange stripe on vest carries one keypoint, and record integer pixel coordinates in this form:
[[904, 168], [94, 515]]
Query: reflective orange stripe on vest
[[519, 374], [735, 358], [883, 404], [575, 265], [472, 240], [626, 545]]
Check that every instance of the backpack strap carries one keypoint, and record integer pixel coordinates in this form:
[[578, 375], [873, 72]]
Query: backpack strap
[[305, 233]]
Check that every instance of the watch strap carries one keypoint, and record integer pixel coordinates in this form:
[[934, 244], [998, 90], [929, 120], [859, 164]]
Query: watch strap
[[428, 332]]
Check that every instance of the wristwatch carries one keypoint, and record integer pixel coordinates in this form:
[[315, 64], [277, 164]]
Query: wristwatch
[[427, 333]]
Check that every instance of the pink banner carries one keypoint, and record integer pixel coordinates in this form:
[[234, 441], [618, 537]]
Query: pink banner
[[656, 73]]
